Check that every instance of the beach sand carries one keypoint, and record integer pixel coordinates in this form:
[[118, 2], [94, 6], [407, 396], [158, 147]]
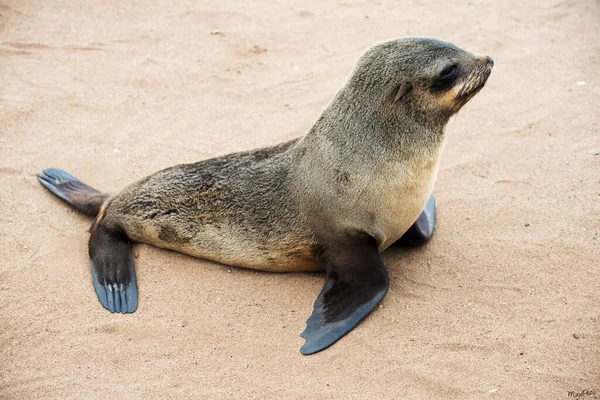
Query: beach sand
[[503, 302]]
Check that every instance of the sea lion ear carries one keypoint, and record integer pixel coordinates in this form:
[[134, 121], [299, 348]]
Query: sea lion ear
[[402, 90]]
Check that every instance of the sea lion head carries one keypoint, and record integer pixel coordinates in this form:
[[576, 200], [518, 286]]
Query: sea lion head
[[426, 78]]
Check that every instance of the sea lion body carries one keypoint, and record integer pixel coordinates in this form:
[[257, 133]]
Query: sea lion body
[[202, 209], [237, 210], [357, 182]]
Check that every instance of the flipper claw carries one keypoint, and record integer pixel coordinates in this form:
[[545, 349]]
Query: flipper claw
[[113, 271]]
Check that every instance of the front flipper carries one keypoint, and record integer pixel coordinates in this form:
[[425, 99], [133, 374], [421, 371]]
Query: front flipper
[[112, 269], [357, 282], [420, 232]]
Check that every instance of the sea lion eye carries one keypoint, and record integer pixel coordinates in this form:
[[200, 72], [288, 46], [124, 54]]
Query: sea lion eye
[[448, 72], [445, 80]]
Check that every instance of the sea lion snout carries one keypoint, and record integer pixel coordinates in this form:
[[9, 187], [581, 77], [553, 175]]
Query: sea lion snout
[[488, 64], [475, 79]]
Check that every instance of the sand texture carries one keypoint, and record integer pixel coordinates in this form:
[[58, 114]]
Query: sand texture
[[503, 302]]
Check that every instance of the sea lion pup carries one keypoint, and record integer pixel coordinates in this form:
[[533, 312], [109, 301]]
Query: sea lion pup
[[333, 199]]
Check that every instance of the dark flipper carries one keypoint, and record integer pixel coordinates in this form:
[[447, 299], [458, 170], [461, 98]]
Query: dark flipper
[[82, 197], [112, 269], [420, 232], [357, 282]]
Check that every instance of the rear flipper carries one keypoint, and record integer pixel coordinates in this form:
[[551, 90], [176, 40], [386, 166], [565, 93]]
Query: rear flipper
[[357, 282], [82, 197], [420, 232], [112, 269]]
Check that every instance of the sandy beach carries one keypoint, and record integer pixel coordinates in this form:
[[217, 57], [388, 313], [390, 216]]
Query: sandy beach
[[503, 302]]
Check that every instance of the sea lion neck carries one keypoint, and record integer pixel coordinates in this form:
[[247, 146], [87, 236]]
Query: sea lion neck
[[359, 125]]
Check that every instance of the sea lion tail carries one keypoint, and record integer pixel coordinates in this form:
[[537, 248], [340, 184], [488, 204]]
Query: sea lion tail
[[80, 196]]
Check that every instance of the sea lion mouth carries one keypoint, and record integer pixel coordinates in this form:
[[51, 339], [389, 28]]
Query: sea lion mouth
[[474, 83]]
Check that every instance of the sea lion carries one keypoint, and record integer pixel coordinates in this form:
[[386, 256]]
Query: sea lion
[[360, 179]]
